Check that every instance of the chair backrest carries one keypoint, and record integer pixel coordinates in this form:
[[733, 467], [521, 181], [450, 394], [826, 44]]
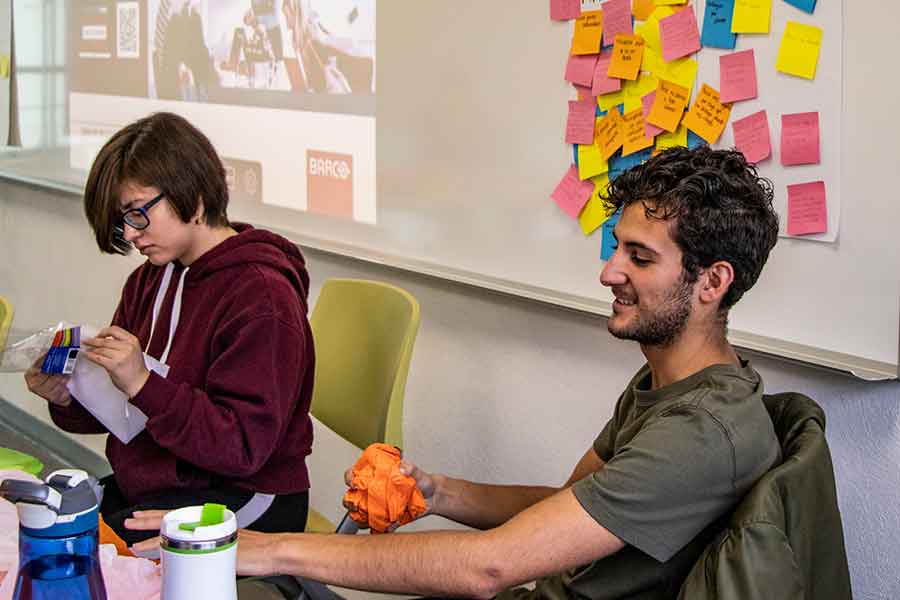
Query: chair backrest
[[6, 315], [364, 333], [785, 538]]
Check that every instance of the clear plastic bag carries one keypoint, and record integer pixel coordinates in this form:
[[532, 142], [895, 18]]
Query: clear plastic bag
[[18, 356]]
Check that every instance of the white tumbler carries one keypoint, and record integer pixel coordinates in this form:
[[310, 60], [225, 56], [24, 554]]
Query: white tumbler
[[200, 563]]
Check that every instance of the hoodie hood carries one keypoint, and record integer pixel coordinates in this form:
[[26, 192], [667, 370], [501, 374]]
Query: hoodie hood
[[254, 246]]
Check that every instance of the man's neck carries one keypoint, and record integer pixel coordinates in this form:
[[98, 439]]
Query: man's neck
[[687, 355]]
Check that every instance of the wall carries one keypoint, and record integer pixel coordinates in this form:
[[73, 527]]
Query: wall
[[501, 389]]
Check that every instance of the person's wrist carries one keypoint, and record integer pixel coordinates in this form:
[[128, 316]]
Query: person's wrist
[[138, 384], [282, 553], [437, 497]]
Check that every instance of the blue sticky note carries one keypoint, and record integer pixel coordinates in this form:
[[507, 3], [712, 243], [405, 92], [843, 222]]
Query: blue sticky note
[[607, 241], [575, 152], [599, 112], [717, 24], [804, 5], [694, 140], [618, 164]]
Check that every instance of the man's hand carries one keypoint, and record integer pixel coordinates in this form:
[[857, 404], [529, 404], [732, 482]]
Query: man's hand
[[426, 482], [120, 354], [49, 387]]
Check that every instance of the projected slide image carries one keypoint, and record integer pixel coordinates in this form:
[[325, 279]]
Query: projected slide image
[[285, 89]]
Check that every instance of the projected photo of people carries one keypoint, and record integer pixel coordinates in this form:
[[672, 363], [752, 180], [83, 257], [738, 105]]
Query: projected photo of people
[[296, 54]]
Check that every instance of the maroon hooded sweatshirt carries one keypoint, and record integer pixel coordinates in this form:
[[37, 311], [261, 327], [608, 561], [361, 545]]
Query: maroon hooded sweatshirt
[[233, 410]]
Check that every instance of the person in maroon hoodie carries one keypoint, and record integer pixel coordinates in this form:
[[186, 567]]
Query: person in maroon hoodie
[[223, 306]]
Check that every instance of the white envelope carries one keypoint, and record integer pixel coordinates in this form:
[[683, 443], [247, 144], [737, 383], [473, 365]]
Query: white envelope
[[91, 386]]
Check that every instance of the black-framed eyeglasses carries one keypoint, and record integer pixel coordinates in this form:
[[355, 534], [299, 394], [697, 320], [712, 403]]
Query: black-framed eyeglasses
[[137, 218]]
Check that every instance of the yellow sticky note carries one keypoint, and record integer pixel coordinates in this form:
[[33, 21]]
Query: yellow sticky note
[[669, 2], [609, 133], [751, 16], [4, 66], [607, 101], [642, 9], [591, 161], [668, 105], [650, 32], [588, 33], [596, 211], [671, 139], [628, 50], [634, 138], [637, 89], [799, 51], [682, 71], [708, 117]]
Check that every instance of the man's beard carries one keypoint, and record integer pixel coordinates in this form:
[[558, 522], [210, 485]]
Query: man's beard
[[663, 326]]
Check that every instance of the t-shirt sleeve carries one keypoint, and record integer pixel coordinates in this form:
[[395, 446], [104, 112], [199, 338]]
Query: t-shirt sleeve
[[604, 444], [669, 482]]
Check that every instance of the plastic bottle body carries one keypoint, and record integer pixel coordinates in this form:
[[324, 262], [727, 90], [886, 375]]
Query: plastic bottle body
[[56, 568]]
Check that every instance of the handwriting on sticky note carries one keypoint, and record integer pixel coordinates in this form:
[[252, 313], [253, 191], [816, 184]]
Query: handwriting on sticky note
[[679, 35], [580, 69], [717, 25], [587, 33], [807, 208], [708, 116], [604, 84], [668, 105], [800, 139], [565, 10], [799, 51], [609, 133], [616, 20], [751, 136], [634, 137], [628, 51], [580, 124], [751, 16], [737, 76]]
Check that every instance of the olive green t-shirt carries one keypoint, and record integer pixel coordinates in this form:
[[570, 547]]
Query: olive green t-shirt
[[678, 459]]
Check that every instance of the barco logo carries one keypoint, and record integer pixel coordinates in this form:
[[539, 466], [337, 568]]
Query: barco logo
[[329, 183]]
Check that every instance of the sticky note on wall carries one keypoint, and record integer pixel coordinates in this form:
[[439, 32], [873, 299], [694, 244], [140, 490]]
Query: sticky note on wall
[[588, 32], [800, 139], [608, 241], [737, 76], [751, 136], [717, 25], [616, 20], [571, 193], [751, 16], [668, 106], [679, 34], [565, 10], [807, 208], [626, 58], [799, 51], [708, 116]]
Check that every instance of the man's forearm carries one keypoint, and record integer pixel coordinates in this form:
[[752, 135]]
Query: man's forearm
[[481, 505]]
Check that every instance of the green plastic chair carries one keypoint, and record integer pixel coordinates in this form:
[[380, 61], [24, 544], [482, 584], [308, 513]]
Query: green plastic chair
[[364, 332], [9, 458], [6, 315]]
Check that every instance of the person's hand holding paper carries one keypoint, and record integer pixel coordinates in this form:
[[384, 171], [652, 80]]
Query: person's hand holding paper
[[120, 354]]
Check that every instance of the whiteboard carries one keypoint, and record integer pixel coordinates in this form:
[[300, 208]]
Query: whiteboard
[[470, 117]]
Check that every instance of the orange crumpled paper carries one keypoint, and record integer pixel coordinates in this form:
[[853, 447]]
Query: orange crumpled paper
[[381, 494]]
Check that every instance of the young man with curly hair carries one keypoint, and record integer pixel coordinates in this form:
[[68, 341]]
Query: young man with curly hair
[[689, 436]]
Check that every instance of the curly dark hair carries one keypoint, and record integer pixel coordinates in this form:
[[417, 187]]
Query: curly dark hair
[[718, 205]]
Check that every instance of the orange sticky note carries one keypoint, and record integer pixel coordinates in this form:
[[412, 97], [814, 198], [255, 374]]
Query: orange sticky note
[[610, 133], [634, 136], [628, 51], [588, 33], [668, 106], [708, 117], [642, 9]]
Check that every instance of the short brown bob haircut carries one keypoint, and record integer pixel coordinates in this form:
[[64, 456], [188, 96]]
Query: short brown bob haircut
[[163, 151]]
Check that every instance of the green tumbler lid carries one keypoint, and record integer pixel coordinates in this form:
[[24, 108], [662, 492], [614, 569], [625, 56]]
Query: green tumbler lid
[[13, 459], [213, 514]]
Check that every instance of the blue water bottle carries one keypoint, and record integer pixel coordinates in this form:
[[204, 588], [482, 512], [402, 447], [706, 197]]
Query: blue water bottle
[[58, 540]]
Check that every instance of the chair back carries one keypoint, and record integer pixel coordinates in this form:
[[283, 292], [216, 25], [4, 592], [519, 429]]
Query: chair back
[[364, 333], [6, 315], [785, 538]]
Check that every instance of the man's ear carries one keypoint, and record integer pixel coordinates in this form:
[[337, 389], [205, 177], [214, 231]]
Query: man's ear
[[197, 219], [715, 281]]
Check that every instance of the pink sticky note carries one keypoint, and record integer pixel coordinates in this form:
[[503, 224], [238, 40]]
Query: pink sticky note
[[602, 83], [584, 93], [565, 10], [737, 76], [580, 125], [807, 209], [580, 69], [751, 136], [616, 19], [572, 193], [646, 104], [679, 34], [800, 139]]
